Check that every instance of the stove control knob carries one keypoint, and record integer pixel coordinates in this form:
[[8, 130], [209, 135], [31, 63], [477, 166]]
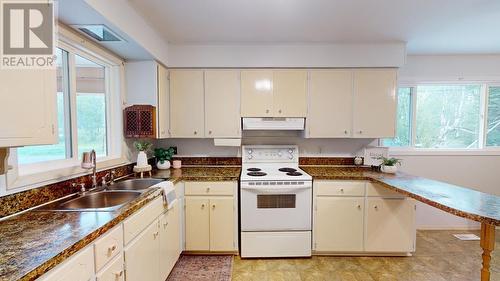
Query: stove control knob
[[291, 156], [290, 151], [250, 151], [279, 154], [250, 157]]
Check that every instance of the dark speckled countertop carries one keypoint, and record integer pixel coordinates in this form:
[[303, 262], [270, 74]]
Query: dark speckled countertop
[[460, 201]]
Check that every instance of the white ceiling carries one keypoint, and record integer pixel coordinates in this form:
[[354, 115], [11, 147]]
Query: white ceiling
[[428, 26]]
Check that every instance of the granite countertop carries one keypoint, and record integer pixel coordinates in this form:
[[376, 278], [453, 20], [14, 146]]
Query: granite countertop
[[460, 201], [34, 242], [212, 173]]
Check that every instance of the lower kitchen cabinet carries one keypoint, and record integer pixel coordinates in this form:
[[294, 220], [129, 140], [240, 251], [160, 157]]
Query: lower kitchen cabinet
[[222, 224], [210, 216], [79, 267], [360, 217], [142, 255], [339, 224], [112, 272], [390, 225], [170, 249]]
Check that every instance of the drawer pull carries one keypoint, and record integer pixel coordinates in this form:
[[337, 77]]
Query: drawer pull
[[203, 206], [359, 206], [118, 274], [342, 190], [376, 207], [111, 249], [165, 224], [208, 189], [155, 235], [213, 206]]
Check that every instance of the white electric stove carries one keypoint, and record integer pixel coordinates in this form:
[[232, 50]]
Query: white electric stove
[[276, 203]]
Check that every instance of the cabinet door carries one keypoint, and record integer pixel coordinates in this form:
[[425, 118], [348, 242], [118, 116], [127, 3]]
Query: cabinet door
[[222, 224], [28, 114], [197, 224], [222, 104], [163, 103], [256, 93], [338, 225], [186, 104], [169, 241], [390, 225], [290, 93], [374, 103], [330, 104], [79, 267], [142, 255]]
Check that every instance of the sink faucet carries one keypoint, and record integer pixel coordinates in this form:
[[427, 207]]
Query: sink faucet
[[89, 162], [111, 181]]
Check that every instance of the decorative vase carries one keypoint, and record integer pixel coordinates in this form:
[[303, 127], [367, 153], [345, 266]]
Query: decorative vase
[[177, 164], [163, 165], [389, 169], [142, 159]]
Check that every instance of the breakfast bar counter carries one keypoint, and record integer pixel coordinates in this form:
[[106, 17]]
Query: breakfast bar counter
[[460, 201]]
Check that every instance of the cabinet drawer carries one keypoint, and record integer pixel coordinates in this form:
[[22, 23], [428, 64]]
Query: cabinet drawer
[[210, 188], [108, 246], [376, 190], [140, 220], [79, 267], [112, 272], [340, 188]]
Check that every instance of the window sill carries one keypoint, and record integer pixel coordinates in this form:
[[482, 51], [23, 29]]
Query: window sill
[[31, 179], [443, 152]]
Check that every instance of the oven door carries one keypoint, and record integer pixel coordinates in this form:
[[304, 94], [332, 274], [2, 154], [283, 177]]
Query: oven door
[[276, 208]]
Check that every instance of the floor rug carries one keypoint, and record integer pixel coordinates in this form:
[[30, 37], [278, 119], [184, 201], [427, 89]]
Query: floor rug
[[202, 268]]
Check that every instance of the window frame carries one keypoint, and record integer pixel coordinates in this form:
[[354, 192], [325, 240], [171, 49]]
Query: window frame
[[41, 173], [483, 119]]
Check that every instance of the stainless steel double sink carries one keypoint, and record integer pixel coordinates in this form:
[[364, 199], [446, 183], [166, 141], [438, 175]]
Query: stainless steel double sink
[[108, 199]]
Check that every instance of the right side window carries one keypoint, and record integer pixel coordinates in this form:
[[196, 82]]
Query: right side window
[[493, 124]]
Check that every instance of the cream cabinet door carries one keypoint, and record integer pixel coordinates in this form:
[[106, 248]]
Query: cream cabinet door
[[390, 225], [28, 111], [330, 104], [290, 93], [222, 104], [222, 224], [142, 256], [186, 104], [169, 241], [79, 267], [257, 93], [374, 103], [197, 216], [163, 103], [338, 225]]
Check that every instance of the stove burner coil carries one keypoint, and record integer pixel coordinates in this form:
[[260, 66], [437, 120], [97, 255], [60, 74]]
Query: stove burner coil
[[254, 169], [287, 170], [256, 174], [294, 174]]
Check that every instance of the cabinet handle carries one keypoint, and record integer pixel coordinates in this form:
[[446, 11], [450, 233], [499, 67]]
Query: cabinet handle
[[165, 224], [360, 131], [279, 111], [195, 132], [213, 206], [376, 207], [118, 273], [267, 110], [342, 190], [209, 132], [111, 249], [203, 206], [359, 206], [155, 235], [208, 189], [346, 132]]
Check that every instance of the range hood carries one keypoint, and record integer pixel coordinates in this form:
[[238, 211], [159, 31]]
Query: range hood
[[264, 123]]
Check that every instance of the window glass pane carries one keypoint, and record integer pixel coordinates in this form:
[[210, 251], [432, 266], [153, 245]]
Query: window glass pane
[[39, 153], [403, 122], [90, 106], [493, 129], [448, 116]]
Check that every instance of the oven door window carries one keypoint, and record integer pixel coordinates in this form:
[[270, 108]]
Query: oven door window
[[274, 201]]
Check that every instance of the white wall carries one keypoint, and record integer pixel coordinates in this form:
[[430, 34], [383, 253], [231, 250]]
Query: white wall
[[297, 55]]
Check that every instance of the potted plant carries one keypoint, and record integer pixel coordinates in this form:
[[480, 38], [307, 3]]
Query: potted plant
[[163, 157], [389, 165], [142, 147]]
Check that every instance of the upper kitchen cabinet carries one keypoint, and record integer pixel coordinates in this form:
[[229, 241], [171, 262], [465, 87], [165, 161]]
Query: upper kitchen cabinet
[[29, 114], [187, 113], [147, 83], [330, 104], [222, 104], [257, 93], [289, 93], [374, 103], [278, 93]]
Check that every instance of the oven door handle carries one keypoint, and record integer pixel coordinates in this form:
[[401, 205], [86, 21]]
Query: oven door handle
[[274, 190]]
